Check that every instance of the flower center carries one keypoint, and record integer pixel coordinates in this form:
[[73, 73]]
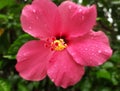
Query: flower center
[[58, 45]]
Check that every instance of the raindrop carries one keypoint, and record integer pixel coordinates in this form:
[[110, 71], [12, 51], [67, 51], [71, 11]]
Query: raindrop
[[30, 27], [55, 66], [99, 63], [82, 17], [92, 37], [86, 49], [25, 54], [34, 10], [99, 51], [52, 80], [69, 6], [90, 58], [79, 10], [106, 51], [92, 54], [37, 17]]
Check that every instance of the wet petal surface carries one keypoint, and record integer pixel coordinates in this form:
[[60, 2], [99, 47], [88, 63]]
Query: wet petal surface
[[63, 70], [77, 20], [40, 19], [93, 49], [32, 59]]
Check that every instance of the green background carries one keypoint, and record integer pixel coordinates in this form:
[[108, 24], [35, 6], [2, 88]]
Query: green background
[[102, 78]]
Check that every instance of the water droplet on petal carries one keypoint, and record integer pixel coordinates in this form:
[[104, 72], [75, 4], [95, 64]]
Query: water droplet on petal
[[92, 37], [99, 51], [25, 54], [82, 17], [92, 53], [99, 63], [37, 17], [86, 49], [79, 10], [107, 51], [90, 58], [69, 6], [34, 10], [52, 80], [30, 27]]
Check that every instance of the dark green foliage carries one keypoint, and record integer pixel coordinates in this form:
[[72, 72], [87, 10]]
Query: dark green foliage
[[4, 85], [103, 78]]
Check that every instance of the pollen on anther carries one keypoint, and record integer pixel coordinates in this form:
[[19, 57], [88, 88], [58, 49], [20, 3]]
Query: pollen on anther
[[58, 45]]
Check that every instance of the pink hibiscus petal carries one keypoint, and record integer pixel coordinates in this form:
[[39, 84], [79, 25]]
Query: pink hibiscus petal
[[77, 20], [63, 70], [92, 49], [39, 18], [32, 59]]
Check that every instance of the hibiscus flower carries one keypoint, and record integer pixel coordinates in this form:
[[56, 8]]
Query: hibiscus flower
[[66, 42]]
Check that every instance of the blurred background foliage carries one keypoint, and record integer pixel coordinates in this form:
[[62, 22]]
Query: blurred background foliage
[[103, 78]]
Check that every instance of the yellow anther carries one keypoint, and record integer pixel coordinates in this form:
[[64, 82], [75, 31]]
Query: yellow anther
[[58, 45]]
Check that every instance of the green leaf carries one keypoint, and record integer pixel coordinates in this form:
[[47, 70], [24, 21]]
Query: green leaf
[[4, 85], [105, 89], [1, 64], [9, 56], [86, 85], [4, 3], [4, 42], [116, 57], [115, 78], [103, 73], [108, 65], [2, 16], [22, 87], [98, 18]]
